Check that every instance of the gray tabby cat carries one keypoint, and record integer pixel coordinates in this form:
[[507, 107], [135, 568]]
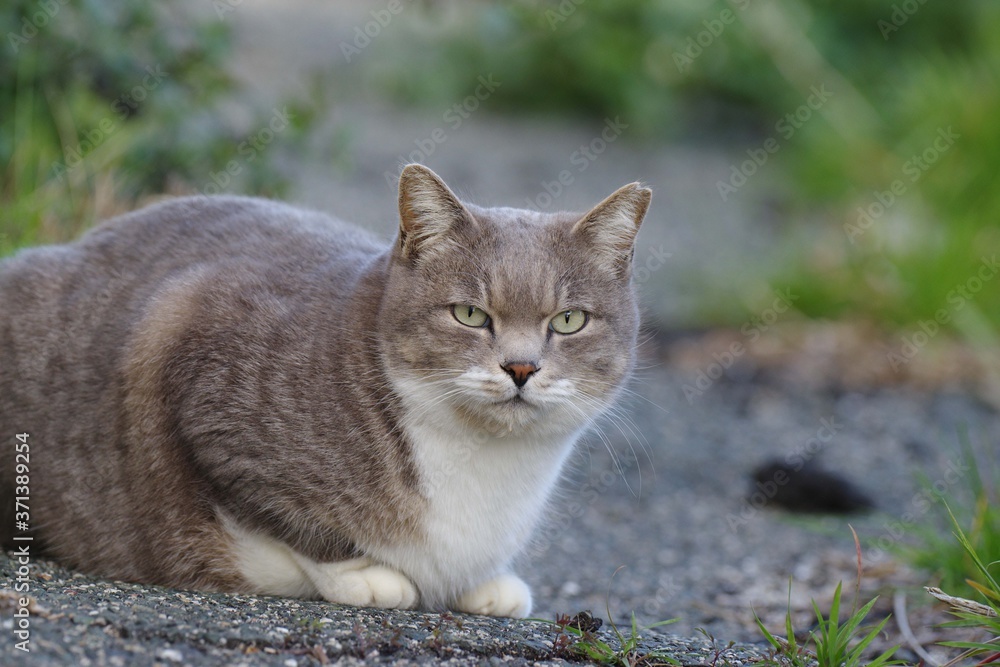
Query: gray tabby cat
[[232, 394]]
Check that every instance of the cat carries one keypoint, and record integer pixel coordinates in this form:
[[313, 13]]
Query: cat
[[232, 394]]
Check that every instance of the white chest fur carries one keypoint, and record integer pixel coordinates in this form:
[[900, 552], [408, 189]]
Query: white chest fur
[[486, 493]]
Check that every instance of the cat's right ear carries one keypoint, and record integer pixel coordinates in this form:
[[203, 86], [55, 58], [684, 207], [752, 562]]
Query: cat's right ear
[[428, 211]]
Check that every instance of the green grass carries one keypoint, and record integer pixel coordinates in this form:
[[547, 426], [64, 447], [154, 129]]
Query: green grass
[[834, 643], [985, 616], [971, 505], [627, 652], [577, 639], [108, 103]]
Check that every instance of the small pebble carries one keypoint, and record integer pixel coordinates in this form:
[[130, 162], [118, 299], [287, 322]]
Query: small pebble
[[171, 654], [570, 588]]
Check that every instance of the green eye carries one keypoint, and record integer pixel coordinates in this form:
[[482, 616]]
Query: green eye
[[470, 316], [569, 321]]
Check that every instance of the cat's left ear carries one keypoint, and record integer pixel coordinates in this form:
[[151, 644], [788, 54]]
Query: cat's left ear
[[611, 226], [428, 211]]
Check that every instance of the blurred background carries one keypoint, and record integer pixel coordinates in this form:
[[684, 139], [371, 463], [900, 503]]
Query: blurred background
[[844, 153], [847, 152], [825, 181]]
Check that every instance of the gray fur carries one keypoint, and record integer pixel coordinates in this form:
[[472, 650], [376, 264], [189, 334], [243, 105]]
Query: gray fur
[[238, 354]]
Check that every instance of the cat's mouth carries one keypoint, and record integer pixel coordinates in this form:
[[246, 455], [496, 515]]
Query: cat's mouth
[[517, 404], [517, 400]]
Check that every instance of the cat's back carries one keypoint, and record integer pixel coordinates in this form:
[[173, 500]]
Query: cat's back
[[200, 228], [117, 266], [69, 314], [177, 233], [66, 311]]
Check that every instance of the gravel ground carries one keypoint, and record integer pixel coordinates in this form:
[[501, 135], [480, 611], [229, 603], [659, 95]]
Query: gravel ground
[[80, 620]]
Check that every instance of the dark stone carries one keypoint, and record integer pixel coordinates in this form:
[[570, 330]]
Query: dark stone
[[810, 489]]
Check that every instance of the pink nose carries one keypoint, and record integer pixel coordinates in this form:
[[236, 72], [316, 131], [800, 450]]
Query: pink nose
[[520, 371]]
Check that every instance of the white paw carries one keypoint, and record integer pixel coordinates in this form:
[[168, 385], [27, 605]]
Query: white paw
[[361, 583], [506, 595], [376, 586]]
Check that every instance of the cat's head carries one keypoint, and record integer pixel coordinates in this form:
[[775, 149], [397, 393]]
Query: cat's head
[[505, 319]]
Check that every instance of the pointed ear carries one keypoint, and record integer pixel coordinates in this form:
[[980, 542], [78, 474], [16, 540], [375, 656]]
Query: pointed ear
[[428, 211], [610, 228]]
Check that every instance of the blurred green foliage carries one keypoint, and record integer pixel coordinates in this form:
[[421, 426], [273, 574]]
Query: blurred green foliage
[[115, 100], [133, 98], [899, 74], [648, 60]]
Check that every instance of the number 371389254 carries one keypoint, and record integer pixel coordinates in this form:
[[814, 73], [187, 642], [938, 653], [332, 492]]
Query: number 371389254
[[22, 478]]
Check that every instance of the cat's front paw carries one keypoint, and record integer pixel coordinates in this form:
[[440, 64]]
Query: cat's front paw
[[377, 586], [362, 583], [507, 595]]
